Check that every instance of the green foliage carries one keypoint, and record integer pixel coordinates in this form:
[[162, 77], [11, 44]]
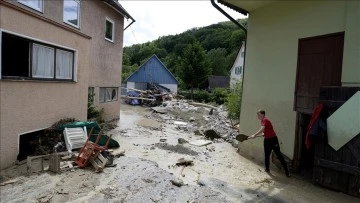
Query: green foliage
[[198, 95], [233, 102], [219, 95], [194, 66], [221, 43], [92, 112]]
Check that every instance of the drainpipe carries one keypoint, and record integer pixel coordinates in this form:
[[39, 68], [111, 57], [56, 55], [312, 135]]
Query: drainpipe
[[245, 31]]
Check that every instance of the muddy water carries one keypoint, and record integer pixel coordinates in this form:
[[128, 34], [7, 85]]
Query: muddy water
[[217, 166]]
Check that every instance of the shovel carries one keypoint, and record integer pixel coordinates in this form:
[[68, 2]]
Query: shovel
[[241, 137]]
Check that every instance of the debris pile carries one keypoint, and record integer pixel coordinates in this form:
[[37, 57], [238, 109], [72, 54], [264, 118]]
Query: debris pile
[[154, 96], [198, 118]]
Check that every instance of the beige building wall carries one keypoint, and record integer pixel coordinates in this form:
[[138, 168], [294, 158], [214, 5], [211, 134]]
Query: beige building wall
[[31, 105], [106, 57], [351, 61], [272, 48]]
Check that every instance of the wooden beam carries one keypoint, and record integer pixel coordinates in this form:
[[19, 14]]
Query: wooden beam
[[338, 166]]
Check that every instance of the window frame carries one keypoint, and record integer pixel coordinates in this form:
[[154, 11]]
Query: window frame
[[32, 41], [79, 14], [22, 2], [113, 30], [104, 99]]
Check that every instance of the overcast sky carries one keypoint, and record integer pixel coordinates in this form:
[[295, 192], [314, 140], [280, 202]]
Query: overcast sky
[[161, 18]]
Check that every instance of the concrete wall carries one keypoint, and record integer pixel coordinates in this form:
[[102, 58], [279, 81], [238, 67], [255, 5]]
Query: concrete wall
[[105, 57], [351, 61], [239, 61], [31, 105], [272, 48]]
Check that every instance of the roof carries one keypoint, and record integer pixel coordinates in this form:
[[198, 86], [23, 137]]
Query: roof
[[153, 71], [244, 7], [219, 81], [117, 6]]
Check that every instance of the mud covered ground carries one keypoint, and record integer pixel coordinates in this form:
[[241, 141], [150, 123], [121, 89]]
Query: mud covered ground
[[150, 140]]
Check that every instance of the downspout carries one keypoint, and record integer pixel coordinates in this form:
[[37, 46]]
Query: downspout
[[245, 31]]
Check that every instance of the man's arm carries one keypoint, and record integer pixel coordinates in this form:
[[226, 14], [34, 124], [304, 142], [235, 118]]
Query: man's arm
[[258, 133]]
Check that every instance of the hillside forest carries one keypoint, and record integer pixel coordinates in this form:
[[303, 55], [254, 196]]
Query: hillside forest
[[192, 55]]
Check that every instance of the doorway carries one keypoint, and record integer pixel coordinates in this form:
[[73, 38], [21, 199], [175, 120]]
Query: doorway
[[319, 64]]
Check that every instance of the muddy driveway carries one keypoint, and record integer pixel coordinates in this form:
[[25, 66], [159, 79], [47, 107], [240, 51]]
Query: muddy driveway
[[147, 172]]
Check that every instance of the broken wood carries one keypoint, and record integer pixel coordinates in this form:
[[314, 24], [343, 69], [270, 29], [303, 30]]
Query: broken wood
[[10, 182], [202, 104], [141, 98]]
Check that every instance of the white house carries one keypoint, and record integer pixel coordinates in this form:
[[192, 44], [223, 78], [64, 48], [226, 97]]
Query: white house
[[236, 71]]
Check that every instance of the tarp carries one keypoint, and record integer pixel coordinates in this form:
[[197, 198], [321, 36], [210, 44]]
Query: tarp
[[89, 125], [134, 94]]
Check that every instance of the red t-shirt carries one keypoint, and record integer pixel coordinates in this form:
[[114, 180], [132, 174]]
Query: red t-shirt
[[269, 130]]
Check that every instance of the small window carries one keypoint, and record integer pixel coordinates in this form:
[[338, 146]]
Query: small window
[[108, 94], [102, 94], [72, 12], [242, 54], [91, 94], [238, 70], [109, 30], [34, 4]]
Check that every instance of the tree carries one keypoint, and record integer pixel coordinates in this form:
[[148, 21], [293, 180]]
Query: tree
[[194, 66], [218, 62], [233, 102]]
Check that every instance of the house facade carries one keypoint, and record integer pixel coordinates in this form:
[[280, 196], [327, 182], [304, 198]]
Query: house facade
[[51, 53], [236, 72], [152, 71], [293, 49]]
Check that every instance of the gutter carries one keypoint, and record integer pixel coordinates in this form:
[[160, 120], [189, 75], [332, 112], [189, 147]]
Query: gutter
[[117, 6], [241, 27]]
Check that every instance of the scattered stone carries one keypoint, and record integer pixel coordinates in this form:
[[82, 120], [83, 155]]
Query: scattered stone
[[177, 182], [212, 134], [162, 140], [185, 162], [201, 183], [198, 132], [182, 141], [191, 119]]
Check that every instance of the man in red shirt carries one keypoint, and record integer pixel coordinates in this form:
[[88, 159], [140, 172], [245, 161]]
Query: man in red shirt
[[270, 141]]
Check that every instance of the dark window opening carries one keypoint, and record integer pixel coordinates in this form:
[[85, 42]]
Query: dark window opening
[[27, 59], [15, 56]]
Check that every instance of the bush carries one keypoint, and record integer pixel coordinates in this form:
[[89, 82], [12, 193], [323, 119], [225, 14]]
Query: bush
[[93, 112], [219, 95], [233, 102]]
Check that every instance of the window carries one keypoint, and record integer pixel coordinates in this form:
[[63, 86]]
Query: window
[[108, 94], [27, 59], [238, 70], [109, 30], [242, 54], [34, 4], [91, 94], [72, 12]]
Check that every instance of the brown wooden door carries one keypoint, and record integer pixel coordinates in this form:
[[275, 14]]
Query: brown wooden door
[[319, 64]]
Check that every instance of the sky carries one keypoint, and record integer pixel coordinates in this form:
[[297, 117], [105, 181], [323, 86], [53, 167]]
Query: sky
[[161, 18]]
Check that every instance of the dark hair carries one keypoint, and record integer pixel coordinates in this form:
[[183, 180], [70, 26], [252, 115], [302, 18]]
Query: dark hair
[[261, 112]]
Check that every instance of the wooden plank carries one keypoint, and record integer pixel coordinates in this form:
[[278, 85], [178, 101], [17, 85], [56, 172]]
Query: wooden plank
[[338, 166]]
